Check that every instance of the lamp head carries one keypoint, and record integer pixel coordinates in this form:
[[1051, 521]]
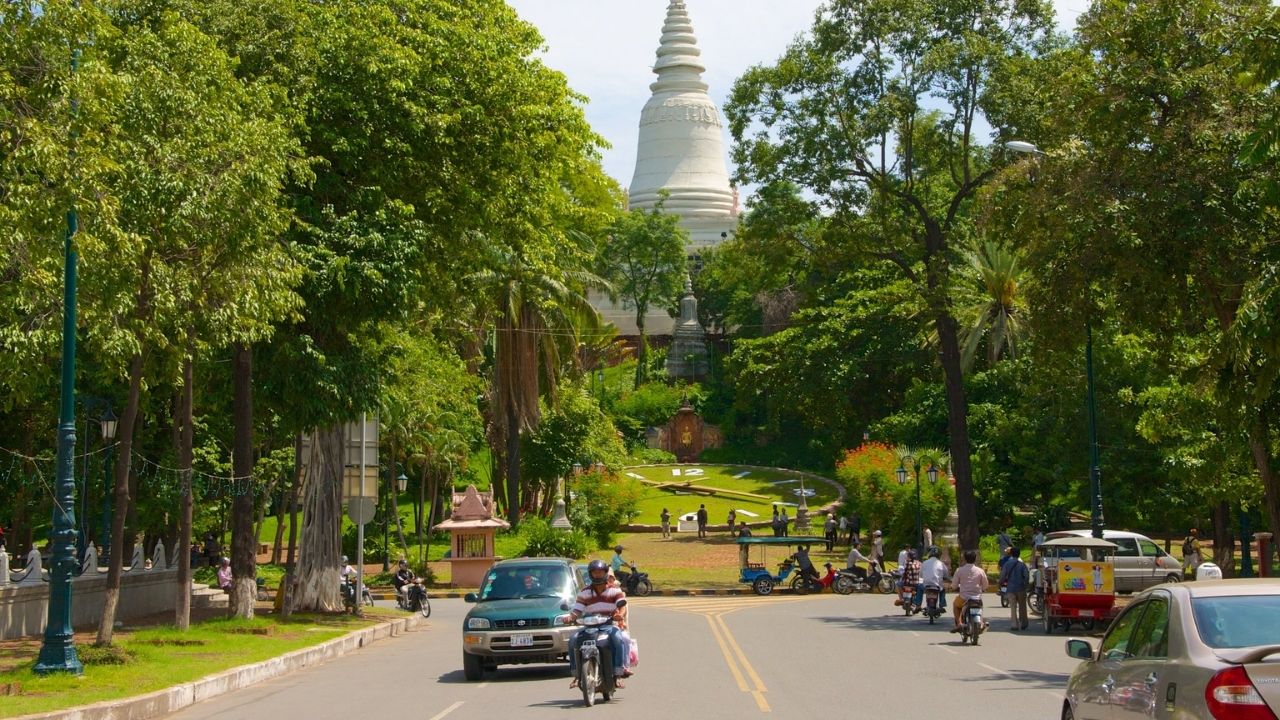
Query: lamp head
[[402, 482], [108, 422], [901, 472]]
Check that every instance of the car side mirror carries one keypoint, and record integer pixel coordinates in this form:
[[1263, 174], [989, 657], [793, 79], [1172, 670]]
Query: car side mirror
[[470, 597], [1079, 649]]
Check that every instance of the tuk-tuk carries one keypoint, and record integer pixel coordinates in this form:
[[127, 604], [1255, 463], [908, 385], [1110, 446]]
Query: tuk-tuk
[[753, 565], [1079, 582]]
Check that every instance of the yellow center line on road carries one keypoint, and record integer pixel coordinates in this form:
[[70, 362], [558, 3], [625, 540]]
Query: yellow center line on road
[[725, 640]]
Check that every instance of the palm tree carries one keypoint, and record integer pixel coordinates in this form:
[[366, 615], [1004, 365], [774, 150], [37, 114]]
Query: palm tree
[[539, 311], [993, 297]]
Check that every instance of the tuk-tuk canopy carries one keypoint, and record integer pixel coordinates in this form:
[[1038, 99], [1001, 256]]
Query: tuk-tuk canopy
[[792, 540]]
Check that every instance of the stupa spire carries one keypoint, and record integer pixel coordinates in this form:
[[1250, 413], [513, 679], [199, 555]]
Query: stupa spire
[[681, 147]]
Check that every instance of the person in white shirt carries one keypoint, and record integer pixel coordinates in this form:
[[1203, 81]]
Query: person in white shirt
[[970, 581], [856, 556]]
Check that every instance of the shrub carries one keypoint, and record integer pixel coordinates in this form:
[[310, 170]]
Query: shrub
[[652, 456], [868, 474], [602, 503], [542, 540]]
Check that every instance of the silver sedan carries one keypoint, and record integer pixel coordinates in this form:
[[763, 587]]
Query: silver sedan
[[1181, 651]]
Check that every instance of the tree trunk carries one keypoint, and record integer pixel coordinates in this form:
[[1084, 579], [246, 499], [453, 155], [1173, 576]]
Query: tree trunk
[[1224, 540], [642, 350], [128, 420], [321, 548], [290, 577], [184, 417], [279, 538], [244, 544], [513, 465], [1260, 447], [958, 430], [433, 490]]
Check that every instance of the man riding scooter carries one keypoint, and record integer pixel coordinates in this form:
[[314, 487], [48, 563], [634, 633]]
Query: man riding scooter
[[934, 574], [970, 581], [598, 598], [617, 564]]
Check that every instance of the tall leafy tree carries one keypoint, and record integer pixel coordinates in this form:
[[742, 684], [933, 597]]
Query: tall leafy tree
[[643, 257], [845, 115]]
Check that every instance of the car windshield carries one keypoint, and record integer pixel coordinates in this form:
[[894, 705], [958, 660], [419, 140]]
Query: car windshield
[[515, 582], [1238, 621]]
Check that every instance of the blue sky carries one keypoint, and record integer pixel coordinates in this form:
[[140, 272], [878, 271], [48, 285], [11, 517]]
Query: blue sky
[[606, 49]]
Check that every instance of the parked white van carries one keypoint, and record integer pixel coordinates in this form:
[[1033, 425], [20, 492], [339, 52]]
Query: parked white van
[[1139, 561]]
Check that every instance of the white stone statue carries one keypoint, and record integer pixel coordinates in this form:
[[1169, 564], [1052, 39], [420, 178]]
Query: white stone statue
[[159, 560], [4, 566], [90, 562], [34, 572]]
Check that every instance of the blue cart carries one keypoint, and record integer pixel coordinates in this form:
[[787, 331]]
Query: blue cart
[[754, 565]]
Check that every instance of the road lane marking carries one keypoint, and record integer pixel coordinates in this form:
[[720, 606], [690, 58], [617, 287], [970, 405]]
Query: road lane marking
[[913, 632], [449, 709], [996, 670], [759, 690], [481, 686], [728, 659], [953, 652]]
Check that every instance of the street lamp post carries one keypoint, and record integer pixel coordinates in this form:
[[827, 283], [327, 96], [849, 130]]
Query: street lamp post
[[108, 422], [902, 480], [1096, 521]]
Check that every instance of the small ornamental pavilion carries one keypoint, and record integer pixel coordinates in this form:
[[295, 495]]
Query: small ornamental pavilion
[[471, 528]]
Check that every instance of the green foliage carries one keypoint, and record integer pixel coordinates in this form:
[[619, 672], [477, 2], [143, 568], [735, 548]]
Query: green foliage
[[650, 405], [602, 502], [650, 456], [542, 540], [574, 431], [872, 490]]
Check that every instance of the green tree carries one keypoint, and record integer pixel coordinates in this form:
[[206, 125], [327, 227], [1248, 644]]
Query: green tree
[[643, 258], [995, 304], [842, 115]]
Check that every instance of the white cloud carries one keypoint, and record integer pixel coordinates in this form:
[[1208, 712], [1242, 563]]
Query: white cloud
[[606, 49]]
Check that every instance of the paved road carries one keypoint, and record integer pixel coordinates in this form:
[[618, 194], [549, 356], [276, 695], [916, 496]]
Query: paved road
[[738, 656]]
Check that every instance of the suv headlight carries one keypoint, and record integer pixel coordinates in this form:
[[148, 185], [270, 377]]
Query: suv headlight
[[564, 620], [478, 623]]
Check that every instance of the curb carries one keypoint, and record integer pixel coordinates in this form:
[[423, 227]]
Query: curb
[[173, 699], [678, 592]]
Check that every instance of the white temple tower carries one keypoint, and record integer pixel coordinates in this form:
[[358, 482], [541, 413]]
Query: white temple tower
[[680, 150], [681, 146]]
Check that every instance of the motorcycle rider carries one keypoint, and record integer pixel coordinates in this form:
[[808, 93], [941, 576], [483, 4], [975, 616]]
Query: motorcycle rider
[[347, 571], [404, 577], [801, 557], [617, 564], [856, 556], [933, 573], [970, 581], [598, 598], [911, 578]]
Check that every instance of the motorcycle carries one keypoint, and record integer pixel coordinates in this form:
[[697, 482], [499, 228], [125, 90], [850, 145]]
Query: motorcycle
[[1003, 592], [804, 585], [851, 580], [638, 583], [906, 598], [415, 599], [348, 591], [972, 624], [933, 605], [891, 580], [595, 658]]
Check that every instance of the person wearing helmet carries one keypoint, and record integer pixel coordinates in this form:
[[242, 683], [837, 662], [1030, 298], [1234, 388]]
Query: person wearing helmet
[[911, 577], [617, 564], [933, 573], [346, 571], [404, 577], [598, 598]]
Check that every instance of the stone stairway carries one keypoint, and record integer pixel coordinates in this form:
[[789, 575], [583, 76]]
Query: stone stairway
[[205, 597]]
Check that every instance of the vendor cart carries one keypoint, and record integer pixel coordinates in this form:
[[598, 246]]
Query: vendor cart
[[1079, 582]]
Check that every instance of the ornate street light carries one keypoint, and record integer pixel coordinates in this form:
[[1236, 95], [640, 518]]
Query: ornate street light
[[901, 472], [1096, 521]]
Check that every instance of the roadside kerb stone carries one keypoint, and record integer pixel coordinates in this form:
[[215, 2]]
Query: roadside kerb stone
[[170, 700]]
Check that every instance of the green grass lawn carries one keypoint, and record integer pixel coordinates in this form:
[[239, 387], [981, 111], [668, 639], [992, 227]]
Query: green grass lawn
[[775, 485], [153, 659]]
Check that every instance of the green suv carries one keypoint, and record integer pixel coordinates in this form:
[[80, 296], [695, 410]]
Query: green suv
[[519, 615]]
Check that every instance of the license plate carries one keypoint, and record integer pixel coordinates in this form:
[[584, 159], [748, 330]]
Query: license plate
[[525, 640], [1086, 613]]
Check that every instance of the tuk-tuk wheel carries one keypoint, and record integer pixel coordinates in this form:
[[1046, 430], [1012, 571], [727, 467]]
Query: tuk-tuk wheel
[[763, 585], [1087, 624]]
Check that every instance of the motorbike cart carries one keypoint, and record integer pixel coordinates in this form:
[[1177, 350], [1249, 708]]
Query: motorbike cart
[[1079, 582], [753, 567]]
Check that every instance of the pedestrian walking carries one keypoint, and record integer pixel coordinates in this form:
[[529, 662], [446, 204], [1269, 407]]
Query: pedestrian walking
[[1016, 578], [782, 521], [1004, 541], [773, 524], [877, 548], [1037, 539], [743, 530], [928, 538], [855, 527], [733, 520], [829, 532], [702, 520], [844, 528], [666, 523]]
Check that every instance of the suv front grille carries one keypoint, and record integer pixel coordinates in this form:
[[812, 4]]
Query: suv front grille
[[525, 624]]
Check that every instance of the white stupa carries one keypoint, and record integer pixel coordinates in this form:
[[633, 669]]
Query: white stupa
[[681, 147], [681, 151]]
